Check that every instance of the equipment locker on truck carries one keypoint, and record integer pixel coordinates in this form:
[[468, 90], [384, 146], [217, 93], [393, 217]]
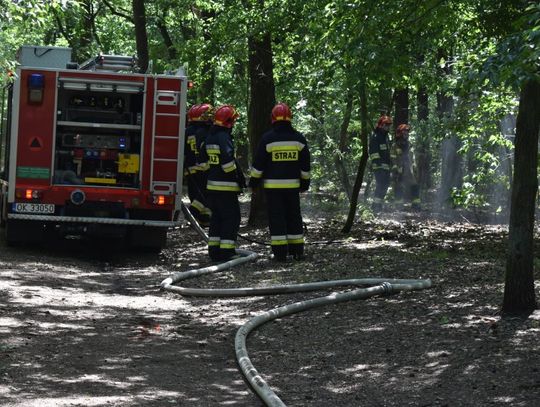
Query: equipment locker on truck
[[94, 151]]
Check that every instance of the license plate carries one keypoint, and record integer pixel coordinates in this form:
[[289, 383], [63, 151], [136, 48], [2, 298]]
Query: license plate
[[33, 208]]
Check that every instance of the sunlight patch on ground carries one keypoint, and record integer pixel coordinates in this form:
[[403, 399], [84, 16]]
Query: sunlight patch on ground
[[361, 367], [228, 390], [373, 244], [373, 329], [503, 399], [7, 323], [437, 354], [51, 297], [89, 401]]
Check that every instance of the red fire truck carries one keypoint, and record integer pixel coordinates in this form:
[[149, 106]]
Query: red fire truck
[[92, 150]]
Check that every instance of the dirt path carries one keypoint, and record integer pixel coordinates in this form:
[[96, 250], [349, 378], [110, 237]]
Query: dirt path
[[80, 329]]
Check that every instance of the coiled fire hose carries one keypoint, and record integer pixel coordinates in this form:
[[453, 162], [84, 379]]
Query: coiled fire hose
[[370, 288]]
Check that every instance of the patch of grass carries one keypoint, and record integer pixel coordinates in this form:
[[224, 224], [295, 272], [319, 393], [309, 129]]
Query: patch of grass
[[444, 320], [438, 254]]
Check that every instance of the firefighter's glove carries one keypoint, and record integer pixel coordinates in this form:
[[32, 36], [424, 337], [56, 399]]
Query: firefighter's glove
[[304, 185], [254, 182]]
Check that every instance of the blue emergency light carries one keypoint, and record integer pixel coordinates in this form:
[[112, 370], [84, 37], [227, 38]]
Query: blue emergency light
[[36, 84]]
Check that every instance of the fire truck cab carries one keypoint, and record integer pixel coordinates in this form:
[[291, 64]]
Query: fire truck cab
[[92, 150]]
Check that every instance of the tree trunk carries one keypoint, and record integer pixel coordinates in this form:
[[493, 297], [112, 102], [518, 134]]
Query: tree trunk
[[363, 160], [519, 295], [423, 152], [167, 40], [262, 100], [208, 71], [401, 115], [85, 40], [451, 160], [141, 38], [344, 144]]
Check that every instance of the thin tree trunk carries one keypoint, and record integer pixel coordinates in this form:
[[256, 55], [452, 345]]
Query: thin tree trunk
[[164, 31], [85, 40], [363, 160], [423, 152], [262, 100], [141, 37], [344, 144], [451, 160], [401, 98], [208, 71], [519, 295]]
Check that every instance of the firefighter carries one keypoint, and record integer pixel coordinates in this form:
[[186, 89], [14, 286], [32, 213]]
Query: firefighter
[[379, 154], [404, 182], [224, 184], [282, 163], [199, 122]]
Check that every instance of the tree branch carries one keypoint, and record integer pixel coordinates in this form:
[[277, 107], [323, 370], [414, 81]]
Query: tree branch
[[122, 13]]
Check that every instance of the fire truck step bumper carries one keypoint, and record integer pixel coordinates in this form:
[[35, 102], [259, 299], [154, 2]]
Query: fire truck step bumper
[[109, 221]]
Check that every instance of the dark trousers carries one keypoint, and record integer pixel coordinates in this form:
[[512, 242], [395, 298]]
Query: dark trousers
[[198, 207], [382, 182], [407, 190], [224, 224], [285, 222]]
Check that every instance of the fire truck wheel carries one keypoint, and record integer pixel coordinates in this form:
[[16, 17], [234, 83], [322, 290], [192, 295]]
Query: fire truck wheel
[[22, 231]]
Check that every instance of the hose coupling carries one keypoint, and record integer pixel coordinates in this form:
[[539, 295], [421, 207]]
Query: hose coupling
[[388, 288]]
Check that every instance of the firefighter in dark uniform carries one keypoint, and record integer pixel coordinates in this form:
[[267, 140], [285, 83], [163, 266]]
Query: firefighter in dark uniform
[[379, 154], [404, 182], [282, 163], [225, 182], [199, 122]]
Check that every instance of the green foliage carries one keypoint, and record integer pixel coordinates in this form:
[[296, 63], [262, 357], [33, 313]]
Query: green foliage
[[323, 50]]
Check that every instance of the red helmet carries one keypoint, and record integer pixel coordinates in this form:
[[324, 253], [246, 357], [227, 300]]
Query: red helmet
[[401, 129], [206, 112], [384, 120], [281, 112], [202, 112], [193, 113], [225, 116]]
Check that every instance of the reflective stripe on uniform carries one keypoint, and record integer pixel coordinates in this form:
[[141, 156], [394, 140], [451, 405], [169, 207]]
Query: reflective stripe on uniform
[[212, 148], [381, 167], [229, 167], [222, 186], [375, 156], [192, 142], [227, 244], [378, 200], [193, 169], [279, 240], [305, 175], [198, 205], [281, 183], [213, 241], [204, 166], [255, 173], [295, 239], [284, 145]]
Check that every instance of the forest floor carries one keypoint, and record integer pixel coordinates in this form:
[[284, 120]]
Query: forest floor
[[86, 325]]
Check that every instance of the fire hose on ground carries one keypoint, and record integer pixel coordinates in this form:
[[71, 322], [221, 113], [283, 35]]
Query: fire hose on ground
[[369, 288]]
